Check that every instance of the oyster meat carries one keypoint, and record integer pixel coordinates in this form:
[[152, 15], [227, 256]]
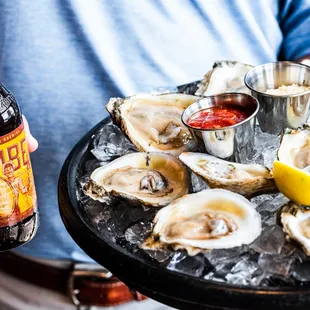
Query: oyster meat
[[153, 122], [294, 149], [296, 224], [210, 219], [151, 179], [226, 76], [247, 180]]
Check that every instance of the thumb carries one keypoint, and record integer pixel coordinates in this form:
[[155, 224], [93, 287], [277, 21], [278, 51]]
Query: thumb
[[31, 141]]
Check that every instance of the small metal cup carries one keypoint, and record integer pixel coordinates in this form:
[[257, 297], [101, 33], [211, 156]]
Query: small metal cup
[[279, 112], [233, 143]]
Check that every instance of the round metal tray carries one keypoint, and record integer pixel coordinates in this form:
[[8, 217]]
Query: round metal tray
[[178, 290]]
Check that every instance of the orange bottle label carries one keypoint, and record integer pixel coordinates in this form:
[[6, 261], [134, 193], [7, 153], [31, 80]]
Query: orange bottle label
[[18, 198]]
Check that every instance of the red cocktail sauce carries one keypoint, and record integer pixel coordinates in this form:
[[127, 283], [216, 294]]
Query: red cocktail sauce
[[217, 117]]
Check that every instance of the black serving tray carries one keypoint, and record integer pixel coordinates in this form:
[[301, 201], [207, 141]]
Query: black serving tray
[[173, 288]]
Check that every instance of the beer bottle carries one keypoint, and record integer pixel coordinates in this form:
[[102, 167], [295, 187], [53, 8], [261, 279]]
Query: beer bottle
[[18, 202]]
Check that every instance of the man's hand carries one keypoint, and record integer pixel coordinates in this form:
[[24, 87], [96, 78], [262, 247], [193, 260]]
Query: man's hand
[[31, 141]]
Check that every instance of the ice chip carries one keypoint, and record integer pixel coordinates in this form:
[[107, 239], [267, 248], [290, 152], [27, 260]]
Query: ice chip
[[137, 233], [266, 147], [198, 184], [242, 272], [261, 199], [222, 255], [271, 240], [213, 276], [110, 143], [295, 252], [95, 210], [274, 264], [272, 205], [223, 260], [193, 265], [301, 272], [159, 256]]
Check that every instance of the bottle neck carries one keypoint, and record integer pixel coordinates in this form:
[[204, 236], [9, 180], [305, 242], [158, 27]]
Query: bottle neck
[[10, 114]]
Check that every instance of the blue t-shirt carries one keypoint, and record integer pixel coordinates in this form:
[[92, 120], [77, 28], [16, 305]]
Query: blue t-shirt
[[64, 59]]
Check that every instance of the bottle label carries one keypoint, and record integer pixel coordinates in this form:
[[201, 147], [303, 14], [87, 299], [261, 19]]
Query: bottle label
[[5, 102], [18, 198]]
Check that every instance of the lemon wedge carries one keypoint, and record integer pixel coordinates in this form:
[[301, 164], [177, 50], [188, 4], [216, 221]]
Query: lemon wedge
[[292, 182]]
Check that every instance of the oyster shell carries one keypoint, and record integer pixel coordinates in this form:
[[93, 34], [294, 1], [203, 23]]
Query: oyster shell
[[210, 219], [294, 148], [296, 224], [226, 76], [153, 122], [153, 179], [247, 180]]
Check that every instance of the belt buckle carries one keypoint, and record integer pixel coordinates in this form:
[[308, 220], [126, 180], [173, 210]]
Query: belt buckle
[[84, 271]]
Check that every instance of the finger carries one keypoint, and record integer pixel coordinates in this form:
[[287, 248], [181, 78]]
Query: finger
[[31, 141]]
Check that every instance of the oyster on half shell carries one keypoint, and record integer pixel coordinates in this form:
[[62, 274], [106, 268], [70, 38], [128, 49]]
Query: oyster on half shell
[[296, 224], [226, 76], [210, 219], [151, 179], [294, 149], [153, 122], [248, 180]]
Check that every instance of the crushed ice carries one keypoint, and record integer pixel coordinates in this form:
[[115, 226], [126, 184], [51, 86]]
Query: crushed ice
[[269, 261], [109, 143]]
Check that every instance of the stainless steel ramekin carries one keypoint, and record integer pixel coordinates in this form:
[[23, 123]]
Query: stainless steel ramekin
[[279, 112], [233, 143]]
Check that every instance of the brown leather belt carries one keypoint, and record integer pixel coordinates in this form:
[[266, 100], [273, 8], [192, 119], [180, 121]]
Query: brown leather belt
[[85, 284]]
